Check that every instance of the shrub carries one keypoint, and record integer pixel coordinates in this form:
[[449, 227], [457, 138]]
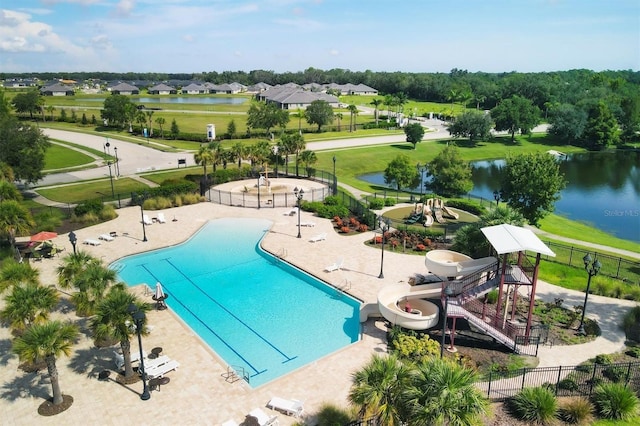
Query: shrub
[[91, 206], [389, 202], [604, 359], [410, 346], [150, 204], [376, 203], [363, 228], [330, 415], [492, 296], [538, 405], [345, 229], [576, 411], [631, 322], [191, 199], [634, 352], [48, 219], [615, 401], [312, 206], [568, 384], [470, 206], [177, 200], [330, 211], [615, 374], [420, 247], [332, 200], [163, 203], [108, 212]]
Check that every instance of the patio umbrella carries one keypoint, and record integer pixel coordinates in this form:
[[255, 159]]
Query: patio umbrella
[[159, 296], [44, 236]]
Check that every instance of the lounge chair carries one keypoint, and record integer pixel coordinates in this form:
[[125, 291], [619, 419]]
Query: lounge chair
[[119, 358], [106, 237], [161, 370], [262, 417], [150, 364], [146, 220], [318, 237], [291, 212], [292, 407], [160, 218], [91, 242], [334, 267]]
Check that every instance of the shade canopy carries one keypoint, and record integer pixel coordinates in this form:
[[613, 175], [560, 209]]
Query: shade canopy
[[512, 239], [159, 294], [44, 236]]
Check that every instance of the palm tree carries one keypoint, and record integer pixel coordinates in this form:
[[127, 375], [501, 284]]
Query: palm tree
[[92, 285], [376, 103], [112, 320], [308, 158], [298, 144], [443, 393], [8, 191], [353, 111], [47, 342], [400, 99], [239, 152], [161, 121], [389, 101], [141, 119], [73, 265], [14, 273], [287, 147], [204, 156], [50, 109], [15, 220], [338, 116], [149, 115], [28, 304], [377, 388], [299, 114]]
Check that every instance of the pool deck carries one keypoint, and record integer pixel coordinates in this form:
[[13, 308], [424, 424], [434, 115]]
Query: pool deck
[[198, 392]]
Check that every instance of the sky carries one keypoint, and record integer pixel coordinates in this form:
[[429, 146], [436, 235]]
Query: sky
[[192, 36]]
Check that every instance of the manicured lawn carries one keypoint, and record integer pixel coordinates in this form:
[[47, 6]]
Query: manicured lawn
[[173, 174], [98, 189], [59, 157]]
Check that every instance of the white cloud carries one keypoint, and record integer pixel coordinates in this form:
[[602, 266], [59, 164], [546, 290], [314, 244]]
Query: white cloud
[[124, 8], [101, 42], [334, 52]]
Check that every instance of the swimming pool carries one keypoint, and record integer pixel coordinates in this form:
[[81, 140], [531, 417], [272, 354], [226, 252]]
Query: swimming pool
[[253, 310]]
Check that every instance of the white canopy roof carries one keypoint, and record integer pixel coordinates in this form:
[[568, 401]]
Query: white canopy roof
[[511, 239]]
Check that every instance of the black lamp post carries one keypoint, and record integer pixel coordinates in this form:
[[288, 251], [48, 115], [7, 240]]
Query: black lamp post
[[447, 293], [496, 196], [138, 319], [108, 145], [385, 224], [113, 193], [335, 179], [115, 149], [299, 193], [592, 267], [73, 240], [144, 229]]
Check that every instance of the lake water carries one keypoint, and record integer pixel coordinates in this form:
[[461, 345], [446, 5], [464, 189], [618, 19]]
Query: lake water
[[603, 189], [204, 100]]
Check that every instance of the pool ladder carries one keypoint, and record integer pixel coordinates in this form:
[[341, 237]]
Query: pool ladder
[[235, 373], [282, 253], [346, 285]]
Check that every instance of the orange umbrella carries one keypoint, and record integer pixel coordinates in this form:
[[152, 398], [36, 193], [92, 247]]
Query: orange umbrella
[[44, 236]]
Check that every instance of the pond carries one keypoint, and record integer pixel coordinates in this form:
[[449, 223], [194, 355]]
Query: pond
[[603, 189], [204, 100]]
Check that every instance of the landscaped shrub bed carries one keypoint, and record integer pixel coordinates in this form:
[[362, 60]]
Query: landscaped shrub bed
[[407, 241]]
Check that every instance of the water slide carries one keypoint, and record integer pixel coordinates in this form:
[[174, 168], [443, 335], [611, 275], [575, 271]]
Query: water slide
[[422, 315], [449, 213], [447, 263]]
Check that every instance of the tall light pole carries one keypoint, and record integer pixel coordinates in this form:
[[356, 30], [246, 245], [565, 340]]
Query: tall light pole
[[385, 224], [592, 267], [276, 157], [138, 319], [447, 293], [335, 179], [299, 193], [115, 149], [144, 229], [113, 193], [108, 145]]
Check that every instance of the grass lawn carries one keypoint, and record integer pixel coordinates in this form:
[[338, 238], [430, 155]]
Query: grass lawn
[[160, 177], [92, 190], [60, 157]]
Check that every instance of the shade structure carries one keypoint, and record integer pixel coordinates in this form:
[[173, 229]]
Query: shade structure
[[44, 236]]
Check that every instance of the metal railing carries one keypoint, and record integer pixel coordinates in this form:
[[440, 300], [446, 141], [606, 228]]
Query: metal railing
[[579, 380]]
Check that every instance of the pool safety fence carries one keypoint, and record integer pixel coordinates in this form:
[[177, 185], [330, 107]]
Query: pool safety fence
[[579, 380]]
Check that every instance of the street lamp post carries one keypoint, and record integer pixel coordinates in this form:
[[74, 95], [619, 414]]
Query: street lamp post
[[496, 196], [144, 230], [299, 193], [592, 267], [115, 149], [73, 240], [447, 293], [108, 145], [335, 179], [138, 319], [276, 158], [385, 224], [113, 193]]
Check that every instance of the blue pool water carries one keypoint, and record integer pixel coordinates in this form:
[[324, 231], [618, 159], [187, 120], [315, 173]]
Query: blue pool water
[[254, 311]]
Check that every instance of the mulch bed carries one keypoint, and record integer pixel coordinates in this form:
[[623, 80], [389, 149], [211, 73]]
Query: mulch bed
[[47, 408]]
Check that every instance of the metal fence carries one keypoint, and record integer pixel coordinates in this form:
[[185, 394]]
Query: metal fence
[[580, 380], [612, 266]]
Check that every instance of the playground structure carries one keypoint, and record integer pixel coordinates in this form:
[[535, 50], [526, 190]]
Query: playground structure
[[467, 282], [432, 208]]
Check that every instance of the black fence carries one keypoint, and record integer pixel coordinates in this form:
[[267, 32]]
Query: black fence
[[612, 266], [578, 380]]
